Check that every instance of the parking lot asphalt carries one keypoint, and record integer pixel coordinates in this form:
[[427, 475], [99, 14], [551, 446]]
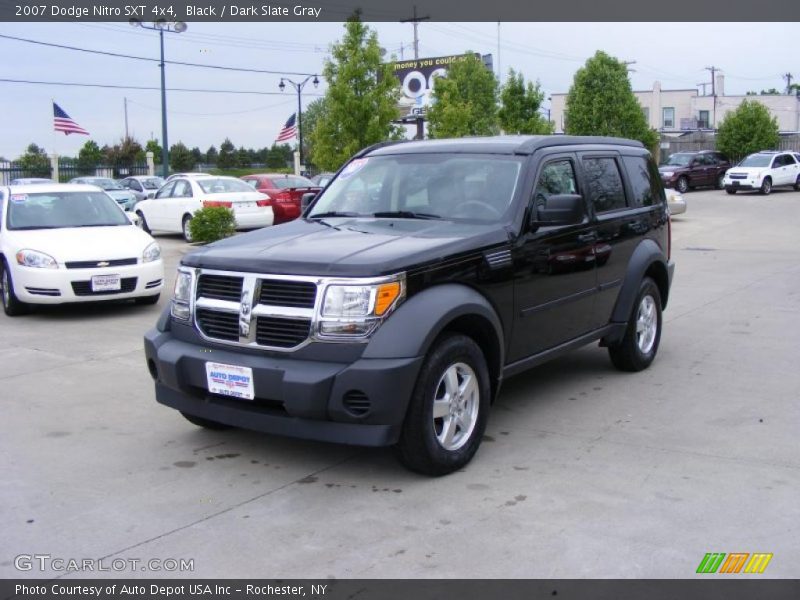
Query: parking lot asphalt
[[584, 471]]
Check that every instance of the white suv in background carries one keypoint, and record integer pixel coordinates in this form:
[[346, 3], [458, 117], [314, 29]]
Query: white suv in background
[[763, 171]]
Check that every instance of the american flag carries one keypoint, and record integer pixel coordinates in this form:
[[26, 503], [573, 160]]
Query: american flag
[[289, 130], [62, 122]]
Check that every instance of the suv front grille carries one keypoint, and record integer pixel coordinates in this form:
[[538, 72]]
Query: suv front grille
[[281, 332], [263, 311], [299, 294], [220, 287], [219, 325]]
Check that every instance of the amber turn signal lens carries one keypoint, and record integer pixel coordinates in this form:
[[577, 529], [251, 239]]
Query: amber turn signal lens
[[387, 294]]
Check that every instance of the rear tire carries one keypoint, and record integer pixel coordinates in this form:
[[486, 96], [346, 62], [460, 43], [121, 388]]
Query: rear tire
[[205, 423], [187, 229], [11, 305], [797, 184], [448, 410], [143, 222], [637, 349], [766, 186], [720, 181]]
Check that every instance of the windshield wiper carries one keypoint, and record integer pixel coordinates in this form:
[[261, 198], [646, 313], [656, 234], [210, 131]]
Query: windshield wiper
[[334, 213], [31, 227], [405, 214], [98, 225]]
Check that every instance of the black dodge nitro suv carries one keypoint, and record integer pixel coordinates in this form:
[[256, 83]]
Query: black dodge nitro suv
[[418, 279]]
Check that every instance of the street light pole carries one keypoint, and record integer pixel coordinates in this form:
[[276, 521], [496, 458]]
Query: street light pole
[[161, 26], [299, 89]]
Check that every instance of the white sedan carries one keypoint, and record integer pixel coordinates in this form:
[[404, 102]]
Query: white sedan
[[72, 243], [176, 202]]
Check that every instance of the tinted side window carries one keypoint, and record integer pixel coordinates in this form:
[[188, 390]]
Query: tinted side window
[[645, 188], [604, 183], [557, 177]]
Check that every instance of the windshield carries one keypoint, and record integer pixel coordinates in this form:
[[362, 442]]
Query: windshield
[[678, 160], [756, 160], [222, 185], [57, 210], [291, 181], [448, 186], [102, 182], [152, 183]]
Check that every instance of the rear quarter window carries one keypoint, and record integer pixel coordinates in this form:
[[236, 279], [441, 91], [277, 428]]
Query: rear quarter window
[[645, 181], [604, 183]]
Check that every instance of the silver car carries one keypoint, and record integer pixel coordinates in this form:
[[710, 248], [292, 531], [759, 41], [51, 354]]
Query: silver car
[[142, 186], [124, 197]]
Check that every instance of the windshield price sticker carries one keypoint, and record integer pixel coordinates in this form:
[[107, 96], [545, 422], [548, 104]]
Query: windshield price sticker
[[353, 167], [19, 198]]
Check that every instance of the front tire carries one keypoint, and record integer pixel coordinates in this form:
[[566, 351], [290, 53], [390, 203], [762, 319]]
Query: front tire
[[187, 229], [720, 182], [766, 186], [731, 191], [682, 185], [448, 410], [143, 222], [797, 184], [637, 349], [11, 305], [204, 423]]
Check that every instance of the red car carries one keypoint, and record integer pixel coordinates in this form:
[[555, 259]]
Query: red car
[[285, 191]]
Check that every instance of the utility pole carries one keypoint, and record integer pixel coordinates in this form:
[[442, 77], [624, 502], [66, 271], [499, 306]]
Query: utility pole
[[713, 70], [499, 65], [415, 21], [788, 77], [126, 118], [629, 62], [704, 84]]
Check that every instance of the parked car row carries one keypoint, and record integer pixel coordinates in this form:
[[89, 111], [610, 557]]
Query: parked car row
[[761, 171]]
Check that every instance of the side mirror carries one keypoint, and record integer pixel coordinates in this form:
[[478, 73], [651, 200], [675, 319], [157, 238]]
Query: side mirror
[[562, 209], [306, 201]]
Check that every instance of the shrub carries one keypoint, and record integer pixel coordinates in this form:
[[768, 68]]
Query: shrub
[[212, 223]]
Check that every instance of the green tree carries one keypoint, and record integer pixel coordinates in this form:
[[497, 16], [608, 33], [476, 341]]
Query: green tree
[[242, 158], [520, 106], [212, 155], [747, 129], [311, 116], [124, 154], [197, 155], [227, 155], [89, 156], [465, 101], [181, 158], [361, 99], [35, 161], [279, 157], [601, 102]]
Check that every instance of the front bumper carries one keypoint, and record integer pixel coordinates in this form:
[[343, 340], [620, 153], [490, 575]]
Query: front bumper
[[294, 397], [57, 286], [741, 184]]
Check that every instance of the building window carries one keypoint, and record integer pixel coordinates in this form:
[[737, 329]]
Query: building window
[[668, 115], [702, 121]]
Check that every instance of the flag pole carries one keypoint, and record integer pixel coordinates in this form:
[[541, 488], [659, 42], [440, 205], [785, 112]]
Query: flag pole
[[53, 171]]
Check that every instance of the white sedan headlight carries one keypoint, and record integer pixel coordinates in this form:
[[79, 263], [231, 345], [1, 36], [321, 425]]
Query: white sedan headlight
[[356, 310], [151, 253], [34, 258]]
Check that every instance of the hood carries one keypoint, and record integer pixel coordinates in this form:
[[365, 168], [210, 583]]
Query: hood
[[360, 247], [747, 170], [119, 194], [670, 168], [82, 243]]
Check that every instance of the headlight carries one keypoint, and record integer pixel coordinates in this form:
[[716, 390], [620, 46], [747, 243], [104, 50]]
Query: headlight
[[33, 258], [357, 310], [668, 173], [151, 253], [182, 295]]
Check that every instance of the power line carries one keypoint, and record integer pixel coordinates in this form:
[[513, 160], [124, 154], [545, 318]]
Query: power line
[[145, 58], [141, 87]]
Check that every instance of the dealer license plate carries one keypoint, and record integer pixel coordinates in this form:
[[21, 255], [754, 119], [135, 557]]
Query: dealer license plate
[[106, 283], [230, 380]]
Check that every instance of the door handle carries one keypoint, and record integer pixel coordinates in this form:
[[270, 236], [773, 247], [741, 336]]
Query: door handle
[[587, 237]]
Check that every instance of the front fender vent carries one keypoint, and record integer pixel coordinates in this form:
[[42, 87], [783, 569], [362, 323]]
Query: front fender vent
[[498, 259], [357, 403]]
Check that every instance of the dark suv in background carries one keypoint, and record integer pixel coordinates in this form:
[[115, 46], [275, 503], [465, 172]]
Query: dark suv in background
[[687, 170], [424, 274]]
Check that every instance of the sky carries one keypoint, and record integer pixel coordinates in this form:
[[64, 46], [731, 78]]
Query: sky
[[675, 54]]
